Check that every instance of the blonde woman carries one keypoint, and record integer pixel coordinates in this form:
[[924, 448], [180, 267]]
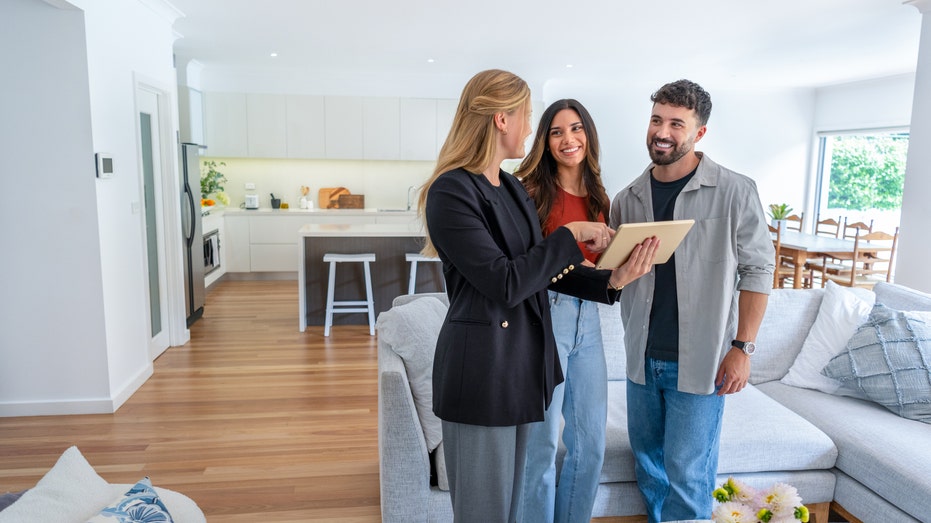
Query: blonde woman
[[495, 366]]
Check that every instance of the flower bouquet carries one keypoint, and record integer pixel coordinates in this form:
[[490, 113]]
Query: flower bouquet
[[740, 503]]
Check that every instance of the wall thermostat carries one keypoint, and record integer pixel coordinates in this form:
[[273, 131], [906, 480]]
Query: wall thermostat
[[104, 165]]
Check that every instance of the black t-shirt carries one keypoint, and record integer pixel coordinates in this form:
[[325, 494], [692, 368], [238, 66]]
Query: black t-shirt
[[663, 335]]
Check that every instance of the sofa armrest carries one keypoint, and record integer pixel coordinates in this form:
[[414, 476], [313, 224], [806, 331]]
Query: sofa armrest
[[404, 464]]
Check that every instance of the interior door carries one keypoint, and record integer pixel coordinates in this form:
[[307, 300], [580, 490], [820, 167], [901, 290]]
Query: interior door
[[150, 148]]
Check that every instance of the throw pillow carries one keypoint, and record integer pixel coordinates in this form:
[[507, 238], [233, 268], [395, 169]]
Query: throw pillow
[[69, 491], [411, 331], [7, 499], [840, 314], [139, 504], [889, 359]]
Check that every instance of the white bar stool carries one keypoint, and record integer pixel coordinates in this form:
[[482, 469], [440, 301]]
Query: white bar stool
[[414, 258], [339, 307]]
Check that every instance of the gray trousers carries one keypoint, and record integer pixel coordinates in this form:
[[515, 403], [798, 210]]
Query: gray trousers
[[485, 468]]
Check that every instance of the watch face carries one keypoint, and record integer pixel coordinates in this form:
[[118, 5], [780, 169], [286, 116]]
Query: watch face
[[749, 347]]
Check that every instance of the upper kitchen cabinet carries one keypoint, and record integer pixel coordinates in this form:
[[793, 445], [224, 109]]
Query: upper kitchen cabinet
[[306, 126], [445, 112], [191, 110], [344, 121], [418, 129], [266, 125], [380, 136], [227, 133]]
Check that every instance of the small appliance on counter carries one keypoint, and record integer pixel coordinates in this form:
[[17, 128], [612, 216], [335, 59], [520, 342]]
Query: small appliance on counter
[[252, 201]]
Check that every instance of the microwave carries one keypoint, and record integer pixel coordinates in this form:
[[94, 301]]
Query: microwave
[[211, 251]]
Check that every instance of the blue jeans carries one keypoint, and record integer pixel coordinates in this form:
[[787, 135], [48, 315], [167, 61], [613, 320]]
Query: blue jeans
[[583, 402], [674, 436]]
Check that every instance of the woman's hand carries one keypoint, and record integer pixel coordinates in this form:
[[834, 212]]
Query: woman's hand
[[594, 235], [639, 263]]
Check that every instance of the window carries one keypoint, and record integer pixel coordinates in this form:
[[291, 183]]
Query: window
[[861, 176]]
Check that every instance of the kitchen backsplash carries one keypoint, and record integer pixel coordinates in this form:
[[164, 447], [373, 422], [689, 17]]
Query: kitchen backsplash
[[383, 183]]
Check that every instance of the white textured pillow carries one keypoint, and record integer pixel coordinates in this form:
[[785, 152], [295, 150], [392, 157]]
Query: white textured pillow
[[411, 331], [70, 491], [841, 313]]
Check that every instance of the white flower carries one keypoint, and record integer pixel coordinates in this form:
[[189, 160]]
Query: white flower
[[733, 512], [781, 499]]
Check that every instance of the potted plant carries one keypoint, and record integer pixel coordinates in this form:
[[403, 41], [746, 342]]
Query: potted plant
[[211, 182], [779, 212]]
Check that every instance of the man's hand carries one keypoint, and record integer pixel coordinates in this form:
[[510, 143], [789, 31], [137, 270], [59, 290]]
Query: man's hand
[[733, 373]]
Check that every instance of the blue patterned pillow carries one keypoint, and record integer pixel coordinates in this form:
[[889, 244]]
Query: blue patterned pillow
[[139, 505], [889, 359]]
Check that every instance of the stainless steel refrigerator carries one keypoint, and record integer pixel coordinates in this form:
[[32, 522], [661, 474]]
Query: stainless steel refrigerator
[[192, 232]]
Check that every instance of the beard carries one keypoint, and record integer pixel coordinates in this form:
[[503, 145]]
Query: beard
[[668, 157]]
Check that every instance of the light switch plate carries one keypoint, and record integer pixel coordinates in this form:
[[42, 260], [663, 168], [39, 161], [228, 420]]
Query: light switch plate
[[250, 186], [104, 165]]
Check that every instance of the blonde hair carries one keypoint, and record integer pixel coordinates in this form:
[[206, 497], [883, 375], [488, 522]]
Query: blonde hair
[[472, 141]]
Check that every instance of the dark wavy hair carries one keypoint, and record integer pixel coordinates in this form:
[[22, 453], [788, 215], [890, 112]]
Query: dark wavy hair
[[538, 170], [688, 94]]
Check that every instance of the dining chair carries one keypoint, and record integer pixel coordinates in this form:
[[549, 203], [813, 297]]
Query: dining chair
[[852, 230], [829, 227], [872, 261], [784, 269], [795, 222]]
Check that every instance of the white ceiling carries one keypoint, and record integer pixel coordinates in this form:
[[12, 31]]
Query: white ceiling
[[784, 43]]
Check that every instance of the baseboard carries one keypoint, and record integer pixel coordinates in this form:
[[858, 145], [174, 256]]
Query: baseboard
[[261, 276], [77, 406]]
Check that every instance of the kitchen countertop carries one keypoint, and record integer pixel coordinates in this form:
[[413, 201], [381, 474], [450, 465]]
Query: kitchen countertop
[[268, 211], [361, 229]]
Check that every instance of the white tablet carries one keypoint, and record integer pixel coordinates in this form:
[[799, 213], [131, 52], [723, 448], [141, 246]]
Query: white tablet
[[629, 235]]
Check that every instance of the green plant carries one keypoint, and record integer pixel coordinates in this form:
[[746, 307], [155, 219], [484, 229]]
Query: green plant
[[779, 211], [211, 180]]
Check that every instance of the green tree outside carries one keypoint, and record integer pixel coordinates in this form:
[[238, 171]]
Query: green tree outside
[[867, 172]]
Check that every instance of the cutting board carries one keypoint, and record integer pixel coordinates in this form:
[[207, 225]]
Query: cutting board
[[351, 201], [328, 197]]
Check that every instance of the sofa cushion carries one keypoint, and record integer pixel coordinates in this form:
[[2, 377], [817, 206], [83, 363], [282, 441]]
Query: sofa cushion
[[874, 446], [789, 315], [889, 359], [411, 331], [139, 503], [70, 491], [901, 297], [758, 434], [839, 316]]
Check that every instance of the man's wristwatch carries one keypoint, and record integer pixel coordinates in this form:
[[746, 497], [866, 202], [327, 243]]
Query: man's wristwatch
[[747, 346]]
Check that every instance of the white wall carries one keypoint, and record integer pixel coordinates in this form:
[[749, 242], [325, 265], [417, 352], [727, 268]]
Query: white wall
[[914, 248], [883, 102], [74, 329], [53, 347]]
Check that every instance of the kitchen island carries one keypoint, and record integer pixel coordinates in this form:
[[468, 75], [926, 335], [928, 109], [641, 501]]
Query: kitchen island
[[389, 242]]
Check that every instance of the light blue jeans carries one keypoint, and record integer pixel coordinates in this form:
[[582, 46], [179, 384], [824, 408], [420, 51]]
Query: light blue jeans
[[582, 401], [674, 436]]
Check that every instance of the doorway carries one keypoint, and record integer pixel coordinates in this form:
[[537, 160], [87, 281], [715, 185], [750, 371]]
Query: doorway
[[151, 167]]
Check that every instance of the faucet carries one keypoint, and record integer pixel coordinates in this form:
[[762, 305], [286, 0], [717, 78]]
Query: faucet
[[410, 191]]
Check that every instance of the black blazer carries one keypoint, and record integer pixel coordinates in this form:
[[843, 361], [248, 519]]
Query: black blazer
[[496, 362]]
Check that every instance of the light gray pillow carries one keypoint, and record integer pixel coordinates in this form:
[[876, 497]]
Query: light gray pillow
[[889, 359], [411, 331]]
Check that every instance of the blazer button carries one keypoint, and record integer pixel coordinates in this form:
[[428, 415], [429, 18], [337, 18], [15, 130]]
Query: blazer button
[[559, 276], [565, 271], [553, 280], [504, 324], [571, 267]]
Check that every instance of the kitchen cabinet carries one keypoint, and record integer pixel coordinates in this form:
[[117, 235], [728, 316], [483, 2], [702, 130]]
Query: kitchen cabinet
[[226, 125], [191, 111], [380, 133], [445, 111], [418, 128], [306, 126], [266, 126], [344, 120], [236, 229]]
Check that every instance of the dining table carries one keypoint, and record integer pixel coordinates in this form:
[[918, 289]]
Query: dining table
[[801, 246]]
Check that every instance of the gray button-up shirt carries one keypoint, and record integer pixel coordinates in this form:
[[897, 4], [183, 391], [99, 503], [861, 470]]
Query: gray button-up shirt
[[728, 249]]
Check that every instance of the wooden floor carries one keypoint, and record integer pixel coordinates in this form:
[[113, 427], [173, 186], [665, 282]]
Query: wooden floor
[[251, 419]]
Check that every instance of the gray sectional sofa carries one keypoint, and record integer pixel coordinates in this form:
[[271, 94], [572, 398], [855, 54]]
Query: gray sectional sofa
[[851, 454]]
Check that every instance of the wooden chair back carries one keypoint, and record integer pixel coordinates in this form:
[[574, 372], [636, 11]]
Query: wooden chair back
[[852, 230], [795, 222], [829, 227], [873, 258]]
